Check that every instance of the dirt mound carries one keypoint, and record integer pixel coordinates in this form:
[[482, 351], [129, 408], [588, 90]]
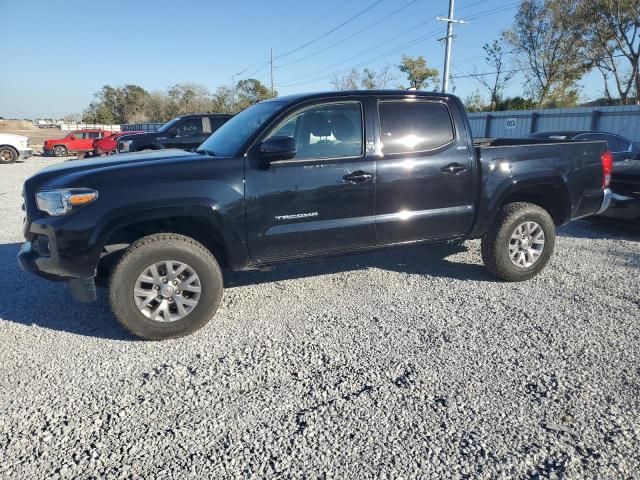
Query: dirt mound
[[17, 125]]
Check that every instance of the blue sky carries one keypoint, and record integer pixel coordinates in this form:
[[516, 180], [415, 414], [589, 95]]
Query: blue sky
[[60, 53]]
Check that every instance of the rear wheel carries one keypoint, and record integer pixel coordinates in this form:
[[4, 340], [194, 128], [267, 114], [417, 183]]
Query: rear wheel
[[8, 154], [60, 151], [520, 242], [165, 286]]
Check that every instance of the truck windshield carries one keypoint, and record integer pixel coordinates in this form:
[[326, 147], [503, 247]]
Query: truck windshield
[[168, 125], [230, 137]]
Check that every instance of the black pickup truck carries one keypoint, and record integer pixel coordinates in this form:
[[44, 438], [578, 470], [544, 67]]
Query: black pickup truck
[[185, 132], [295, 177]]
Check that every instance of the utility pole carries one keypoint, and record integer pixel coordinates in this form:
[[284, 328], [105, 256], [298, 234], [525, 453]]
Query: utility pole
[[449, 40], [271, 61]]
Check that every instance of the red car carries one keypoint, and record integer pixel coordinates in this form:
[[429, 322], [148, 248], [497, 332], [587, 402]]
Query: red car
[[79, 141], [108, 145]]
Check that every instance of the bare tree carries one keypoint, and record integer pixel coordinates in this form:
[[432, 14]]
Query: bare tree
[[500, 76], [474, 102], [346, 81], [547, 42], [612, 29], [367, 79], [372, 80]]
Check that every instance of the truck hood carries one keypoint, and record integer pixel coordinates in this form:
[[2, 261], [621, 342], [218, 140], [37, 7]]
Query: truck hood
[[12, 139], [71, 168]]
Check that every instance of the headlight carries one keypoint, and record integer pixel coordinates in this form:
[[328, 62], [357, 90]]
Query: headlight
[[124, 145], [61, 202]]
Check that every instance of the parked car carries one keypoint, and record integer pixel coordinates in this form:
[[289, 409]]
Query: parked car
[[625, 177], [298, 177], [625, 186], [109, 144], [78, 141], [621, 148], [185, 132], [14, 147]]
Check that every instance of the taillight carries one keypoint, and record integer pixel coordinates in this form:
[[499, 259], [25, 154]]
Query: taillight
[[607, 167]]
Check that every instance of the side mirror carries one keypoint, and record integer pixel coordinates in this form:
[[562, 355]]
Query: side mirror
[[277, 148], [173, 132], [72, 136]]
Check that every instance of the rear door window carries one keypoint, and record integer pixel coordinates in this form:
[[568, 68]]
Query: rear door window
[[414, 126], [190, 126]]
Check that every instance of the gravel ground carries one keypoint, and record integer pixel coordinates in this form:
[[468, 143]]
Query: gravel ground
[[403, 364]]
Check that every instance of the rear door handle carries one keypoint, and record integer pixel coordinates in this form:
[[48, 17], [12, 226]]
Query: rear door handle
[[453, 168], [358, 177]]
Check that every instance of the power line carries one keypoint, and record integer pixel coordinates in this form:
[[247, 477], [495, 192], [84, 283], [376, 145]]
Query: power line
[[349, 20], [377, 22], [301, 80], [395, 50], [514, 70]]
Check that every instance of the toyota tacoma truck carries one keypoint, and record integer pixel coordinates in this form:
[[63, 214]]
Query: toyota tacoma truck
[[298, 177]]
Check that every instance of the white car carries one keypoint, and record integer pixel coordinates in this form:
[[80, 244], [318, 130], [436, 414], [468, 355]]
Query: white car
[[13, 147]]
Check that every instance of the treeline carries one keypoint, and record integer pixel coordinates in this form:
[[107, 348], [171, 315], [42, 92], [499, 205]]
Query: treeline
[[549, 49], [553, 44], [134, 104]]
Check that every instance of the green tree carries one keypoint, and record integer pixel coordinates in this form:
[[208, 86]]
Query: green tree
[[116, 104], [250, 91], [188, 98], [418, 74], [223, 100], [515, 103], [547, 40]]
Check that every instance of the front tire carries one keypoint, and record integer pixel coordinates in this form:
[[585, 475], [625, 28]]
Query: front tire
[[8, 154], [165, 286], [520, 242], [60, 151]]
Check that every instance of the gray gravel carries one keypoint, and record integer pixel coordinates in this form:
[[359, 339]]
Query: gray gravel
[[404, 364]]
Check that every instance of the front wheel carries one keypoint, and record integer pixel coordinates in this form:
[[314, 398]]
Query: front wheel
[[164, 286], [60, 151], [520, 242], [8, 154]]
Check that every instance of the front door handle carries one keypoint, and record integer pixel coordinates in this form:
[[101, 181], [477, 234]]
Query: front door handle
[[358, 177], [453, 168]]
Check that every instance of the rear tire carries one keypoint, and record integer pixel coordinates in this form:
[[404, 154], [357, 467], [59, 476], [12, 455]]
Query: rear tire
[[8, 154], [520, 242], [60, 151], [162, 315]]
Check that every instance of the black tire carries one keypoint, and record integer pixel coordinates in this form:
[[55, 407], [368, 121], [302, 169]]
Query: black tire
[[158, 248], [60, 151], [8, 154], [496, 242]]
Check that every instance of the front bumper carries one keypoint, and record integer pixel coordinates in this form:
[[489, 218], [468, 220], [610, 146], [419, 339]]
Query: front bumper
[[31, 261], [26, 153]]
